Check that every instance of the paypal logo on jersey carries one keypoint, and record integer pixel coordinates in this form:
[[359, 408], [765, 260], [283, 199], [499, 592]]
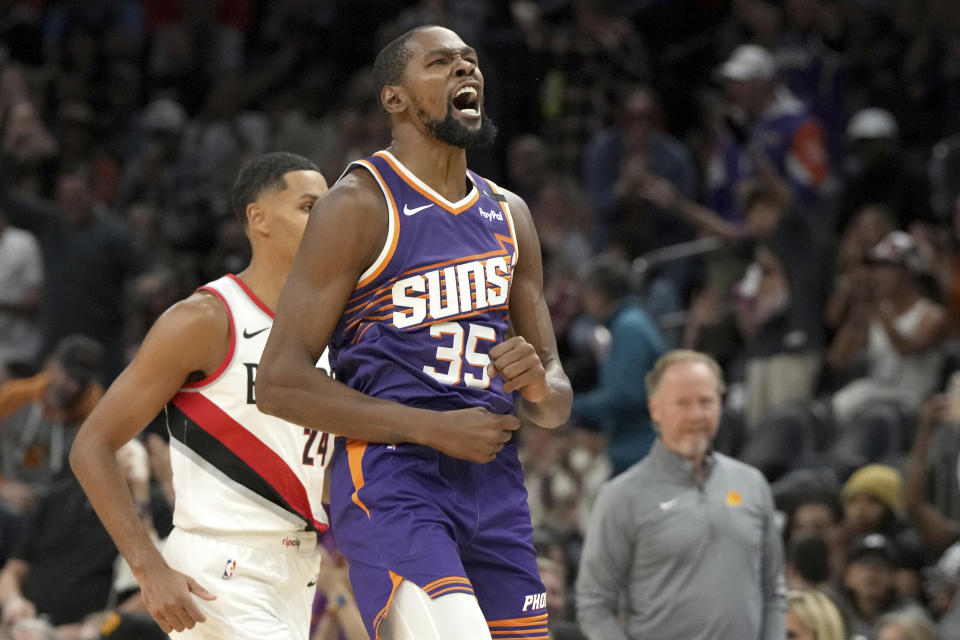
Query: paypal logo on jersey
[[476, 284], [491, 215]]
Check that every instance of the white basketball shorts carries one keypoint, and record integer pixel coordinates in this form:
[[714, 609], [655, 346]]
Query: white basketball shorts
[[264, 583]]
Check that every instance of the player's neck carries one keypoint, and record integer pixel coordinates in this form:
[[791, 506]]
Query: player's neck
[[442, 167], [265, 280]]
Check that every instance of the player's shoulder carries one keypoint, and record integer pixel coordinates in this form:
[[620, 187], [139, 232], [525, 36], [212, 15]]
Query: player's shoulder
[[202, 315], [357, 184], [355, 196], [191, 335]]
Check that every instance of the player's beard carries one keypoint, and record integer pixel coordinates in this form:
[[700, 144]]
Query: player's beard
[[450, 131]]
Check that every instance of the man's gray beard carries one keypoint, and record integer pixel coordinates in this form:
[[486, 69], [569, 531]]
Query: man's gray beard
[[450, 131]]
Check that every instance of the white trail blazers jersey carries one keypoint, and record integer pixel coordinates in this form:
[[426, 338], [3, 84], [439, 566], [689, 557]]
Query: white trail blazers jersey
[[235, 469]]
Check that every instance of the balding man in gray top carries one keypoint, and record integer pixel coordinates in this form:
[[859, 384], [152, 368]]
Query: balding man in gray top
[[683, 545]]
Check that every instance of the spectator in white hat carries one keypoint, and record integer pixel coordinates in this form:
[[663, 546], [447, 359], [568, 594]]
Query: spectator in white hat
[[158, 173], [768, 135], [876, 172], [898, 332]]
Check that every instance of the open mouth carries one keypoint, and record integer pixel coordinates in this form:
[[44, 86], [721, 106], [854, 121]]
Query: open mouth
[[467, 101]]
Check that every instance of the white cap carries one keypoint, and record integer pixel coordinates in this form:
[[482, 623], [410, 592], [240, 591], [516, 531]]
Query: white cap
[[748, 62], [897, 247], [164, 115], [872, 123], [949, 562]]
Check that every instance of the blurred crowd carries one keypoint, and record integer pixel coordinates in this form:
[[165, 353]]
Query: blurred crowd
[[776, 183]]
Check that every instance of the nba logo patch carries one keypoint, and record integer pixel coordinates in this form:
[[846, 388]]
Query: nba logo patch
[[228, 570]]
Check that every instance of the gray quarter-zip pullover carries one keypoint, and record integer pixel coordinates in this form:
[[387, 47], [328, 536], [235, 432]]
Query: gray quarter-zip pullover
[[668, 559]]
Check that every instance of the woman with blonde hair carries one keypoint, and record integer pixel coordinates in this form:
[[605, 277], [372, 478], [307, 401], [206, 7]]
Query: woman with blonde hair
[[812, 615], [906, 625]]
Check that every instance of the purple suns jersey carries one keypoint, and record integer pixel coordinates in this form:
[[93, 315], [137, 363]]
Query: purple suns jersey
[[422, 319]]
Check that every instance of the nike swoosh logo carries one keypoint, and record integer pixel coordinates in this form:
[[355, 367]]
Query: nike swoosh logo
[[407, 211], [669, 504], [248, 335]]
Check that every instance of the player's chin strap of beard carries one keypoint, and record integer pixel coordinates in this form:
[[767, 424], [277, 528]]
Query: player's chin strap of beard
[[414, 616]]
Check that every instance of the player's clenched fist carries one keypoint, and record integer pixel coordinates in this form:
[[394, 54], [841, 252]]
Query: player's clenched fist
[[474, 434], [518, 363]]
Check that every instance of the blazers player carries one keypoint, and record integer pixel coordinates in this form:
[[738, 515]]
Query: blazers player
[[248, 485], [426, 281]]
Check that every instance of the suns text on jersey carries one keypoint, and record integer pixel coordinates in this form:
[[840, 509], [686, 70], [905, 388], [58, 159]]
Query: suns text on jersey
[[452, 290]]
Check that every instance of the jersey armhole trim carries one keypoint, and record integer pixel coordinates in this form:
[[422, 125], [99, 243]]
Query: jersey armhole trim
[[393, 229], [231, 350]]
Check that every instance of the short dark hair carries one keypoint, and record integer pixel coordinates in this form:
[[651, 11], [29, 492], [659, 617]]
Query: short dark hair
[[262, 173], [608, 274], [392, 60], [81, 357], [828, 499]]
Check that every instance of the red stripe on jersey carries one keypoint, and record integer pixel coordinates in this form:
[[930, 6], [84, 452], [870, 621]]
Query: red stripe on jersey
[[246, 446]]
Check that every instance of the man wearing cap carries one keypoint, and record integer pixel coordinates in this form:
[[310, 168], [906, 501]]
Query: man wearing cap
[[868, 583], [769, 135], [875, 171], [686, 537], [62, 564], [158, 172], [39, 417], [872, 500], [942, 582], [898, 331]]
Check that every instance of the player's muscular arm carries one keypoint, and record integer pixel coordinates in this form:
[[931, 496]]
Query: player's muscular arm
[[528, 361], [345, 233], [193, 335]]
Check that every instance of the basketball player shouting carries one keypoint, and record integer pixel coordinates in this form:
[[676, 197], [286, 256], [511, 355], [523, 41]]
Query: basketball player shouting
[[426, 281], [248, 485]]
